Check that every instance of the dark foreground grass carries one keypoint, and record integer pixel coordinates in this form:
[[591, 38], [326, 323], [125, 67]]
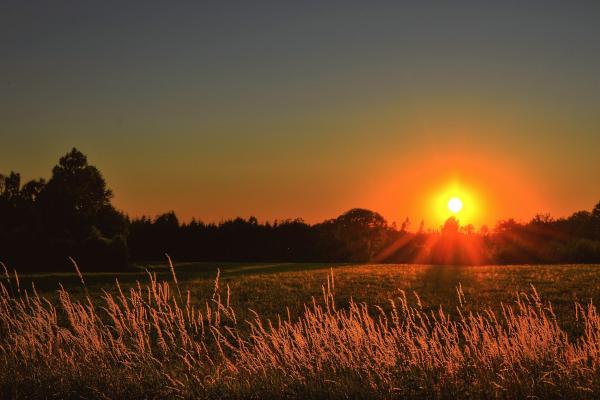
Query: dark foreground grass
[[371, 331]]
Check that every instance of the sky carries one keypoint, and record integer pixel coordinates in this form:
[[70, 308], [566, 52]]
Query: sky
[[307, 109]]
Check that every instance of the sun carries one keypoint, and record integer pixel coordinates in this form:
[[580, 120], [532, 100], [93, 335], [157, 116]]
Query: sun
[[455, 205], [456, 199]]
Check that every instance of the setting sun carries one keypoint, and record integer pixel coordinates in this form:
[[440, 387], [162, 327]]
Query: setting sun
[[455, 204], [456, 198]]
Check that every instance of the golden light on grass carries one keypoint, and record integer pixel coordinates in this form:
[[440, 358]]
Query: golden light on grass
[[149, 342]]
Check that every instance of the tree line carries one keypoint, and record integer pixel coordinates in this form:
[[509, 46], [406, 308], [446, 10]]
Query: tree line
[[42, 223]]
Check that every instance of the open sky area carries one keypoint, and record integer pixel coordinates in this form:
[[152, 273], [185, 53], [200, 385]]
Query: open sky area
[[307, 109]]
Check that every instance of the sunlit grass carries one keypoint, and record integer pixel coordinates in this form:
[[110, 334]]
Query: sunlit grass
[[157, 339]]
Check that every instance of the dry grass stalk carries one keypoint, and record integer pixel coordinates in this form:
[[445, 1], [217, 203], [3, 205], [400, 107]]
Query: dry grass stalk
[[148, 342]]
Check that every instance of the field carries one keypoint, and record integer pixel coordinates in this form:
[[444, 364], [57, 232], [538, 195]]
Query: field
[[303, 331]]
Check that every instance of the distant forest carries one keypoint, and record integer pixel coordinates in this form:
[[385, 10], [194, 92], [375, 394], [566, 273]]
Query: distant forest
[[42, 223]]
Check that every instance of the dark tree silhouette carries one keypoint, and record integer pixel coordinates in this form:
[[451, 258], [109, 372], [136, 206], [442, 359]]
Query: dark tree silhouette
[[70, 215], [356, 235], [451, 226], [42, 223], [74, 196]]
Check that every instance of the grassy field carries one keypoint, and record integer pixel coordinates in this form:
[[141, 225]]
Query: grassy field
[[195, 339], [256, 285]]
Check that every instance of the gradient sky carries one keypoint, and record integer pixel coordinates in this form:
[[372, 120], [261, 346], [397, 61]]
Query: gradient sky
[[307, 109]]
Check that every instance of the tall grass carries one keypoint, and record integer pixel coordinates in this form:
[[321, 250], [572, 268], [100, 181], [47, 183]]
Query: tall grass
[[151, 341]]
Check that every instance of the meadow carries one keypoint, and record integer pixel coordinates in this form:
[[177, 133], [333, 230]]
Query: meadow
[[240, 330]]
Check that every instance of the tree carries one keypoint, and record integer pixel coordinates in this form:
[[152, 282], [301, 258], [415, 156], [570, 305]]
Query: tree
[[596, 220], [362, 233], [405, 225], [77, 218], [596, 212], [10, 186], [74, 196], [31, 191], [451, 226], [10, 214], [468, 229]]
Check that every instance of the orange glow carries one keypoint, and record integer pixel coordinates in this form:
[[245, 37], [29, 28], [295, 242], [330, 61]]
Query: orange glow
[[456, 199], [490, 187]]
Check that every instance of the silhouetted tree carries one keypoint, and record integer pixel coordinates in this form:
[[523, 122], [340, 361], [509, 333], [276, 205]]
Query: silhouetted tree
[[451, 226], [41, 223], [74, 196], [361, 233]]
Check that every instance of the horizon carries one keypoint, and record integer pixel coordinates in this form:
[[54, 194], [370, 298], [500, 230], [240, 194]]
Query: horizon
[[303, 110], [437, 208]]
